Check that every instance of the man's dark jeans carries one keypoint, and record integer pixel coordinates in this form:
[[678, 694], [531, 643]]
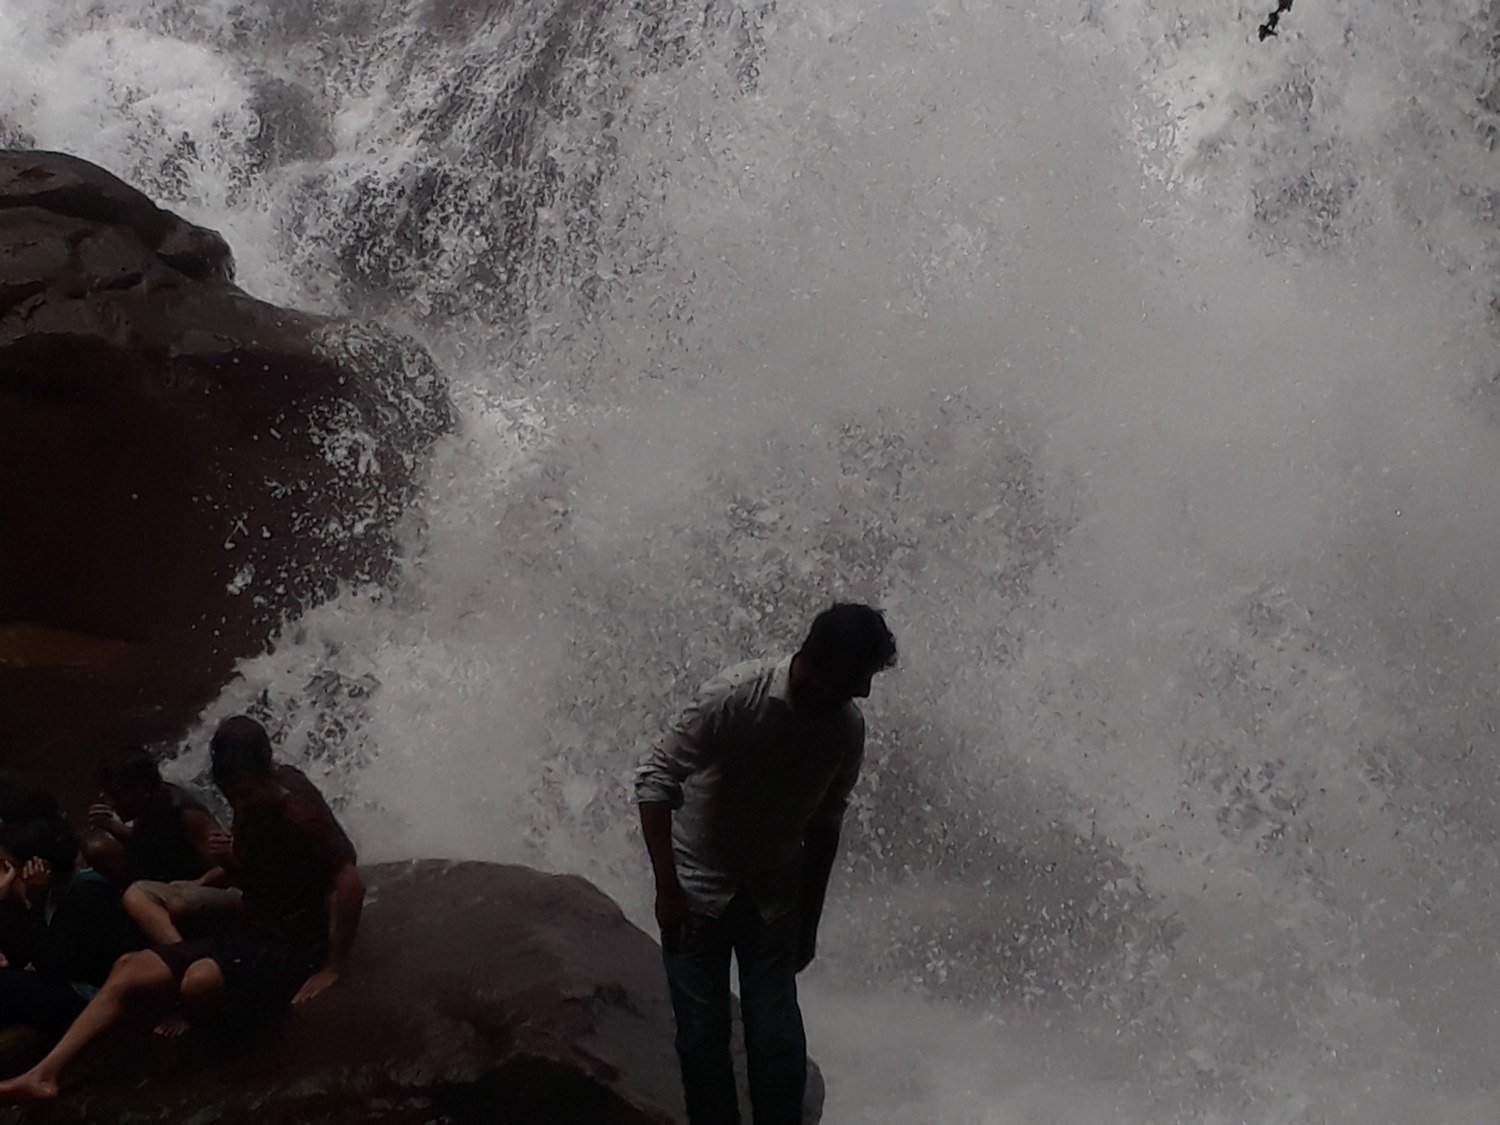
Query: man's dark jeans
[[697, 960]]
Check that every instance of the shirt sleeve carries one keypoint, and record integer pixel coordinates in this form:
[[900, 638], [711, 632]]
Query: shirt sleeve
[[687, 748], [836, 800]]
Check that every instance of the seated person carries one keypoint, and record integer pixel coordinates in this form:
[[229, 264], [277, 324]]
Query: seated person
[[169, 839], [61, 927], [302, 902]]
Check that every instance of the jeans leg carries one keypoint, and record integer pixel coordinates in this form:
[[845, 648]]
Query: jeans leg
[[698, 976], [775, 1043]]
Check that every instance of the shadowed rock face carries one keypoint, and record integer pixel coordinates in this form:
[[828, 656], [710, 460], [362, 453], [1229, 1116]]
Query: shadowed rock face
[[479, 992], [181, 465]]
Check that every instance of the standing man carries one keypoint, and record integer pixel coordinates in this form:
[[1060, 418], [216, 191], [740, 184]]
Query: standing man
[[741, 806]]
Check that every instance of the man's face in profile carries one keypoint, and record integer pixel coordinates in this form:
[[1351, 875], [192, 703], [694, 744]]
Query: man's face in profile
[[831, 685]]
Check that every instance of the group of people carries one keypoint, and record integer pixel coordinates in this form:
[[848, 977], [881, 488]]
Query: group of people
[[156, 903], [740, 805]]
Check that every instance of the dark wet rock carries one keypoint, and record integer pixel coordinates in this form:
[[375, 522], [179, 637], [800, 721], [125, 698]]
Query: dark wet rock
[[480, 993], [184, 465]]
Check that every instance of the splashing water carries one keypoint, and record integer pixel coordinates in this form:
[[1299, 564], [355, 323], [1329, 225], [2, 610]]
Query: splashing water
[[1143, 370]]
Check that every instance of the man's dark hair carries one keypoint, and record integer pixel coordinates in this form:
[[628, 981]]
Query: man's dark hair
[[851, 635], [48, 839], [240, 749], [128, 767]]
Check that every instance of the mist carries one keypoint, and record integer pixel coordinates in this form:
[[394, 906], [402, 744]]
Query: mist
[[1142, 370]]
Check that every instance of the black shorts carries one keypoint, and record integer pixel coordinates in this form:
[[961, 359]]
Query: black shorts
[[258, 967]]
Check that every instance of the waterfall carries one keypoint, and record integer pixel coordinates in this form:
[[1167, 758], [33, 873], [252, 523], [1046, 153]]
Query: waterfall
[[1142, 369]]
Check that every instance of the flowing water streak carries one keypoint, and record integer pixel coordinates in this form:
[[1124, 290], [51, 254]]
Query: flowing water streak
[[1138, 366]]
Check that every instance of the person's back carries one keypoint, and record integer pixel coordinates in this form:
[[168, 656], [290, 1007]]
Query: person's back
[[164, 845], [285, 857], [300, 785]]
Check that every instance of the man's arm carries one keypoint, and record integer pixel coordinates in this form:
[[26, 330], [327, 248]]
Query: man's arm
[[345, 905], [820, 842], [672, 905], [103, 816], [687, 749], [204, 833]]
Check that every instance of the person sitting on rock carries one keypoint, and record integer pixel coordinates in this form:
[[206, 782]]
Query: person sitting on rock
[[169, 839], [302, 902], [61, 927]]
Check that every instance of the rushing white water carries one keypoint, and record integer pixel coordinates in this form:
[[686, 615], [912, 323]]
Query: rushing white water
[[1142, 369]]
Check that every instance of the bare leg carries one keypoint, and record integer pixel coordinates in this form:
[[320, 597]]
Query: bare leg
[[202, 984], [134, 975], [152, 914]]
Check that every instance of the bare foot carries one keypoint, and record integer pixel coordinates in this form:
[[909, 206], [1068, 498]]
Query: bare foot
[[28, 1087], [174, 1026]]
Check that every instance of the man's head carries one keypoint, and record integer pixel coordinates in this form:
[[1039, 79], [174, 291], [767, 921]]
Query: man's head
[[845, 647], [130, 780], [49, 839], [240, 760]]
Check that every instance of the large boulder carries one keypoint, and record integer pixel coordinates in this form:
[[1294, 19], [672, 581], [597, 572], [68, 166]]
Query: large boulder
[[479, 993], [181, 464]]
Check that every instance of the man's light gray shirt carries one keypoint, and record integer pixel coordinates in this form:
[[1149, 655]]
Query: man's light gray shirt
[[747, 775]]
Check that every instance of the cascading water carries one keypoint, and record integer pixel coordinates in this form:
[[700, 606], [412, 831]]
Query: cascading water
[[1142, 369]]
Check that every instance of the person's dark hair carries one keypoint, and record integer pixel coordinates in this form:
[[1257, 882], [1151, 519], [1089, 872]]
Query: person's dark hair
[[128, 767], [851, 635], [49, 838], [240, 749]]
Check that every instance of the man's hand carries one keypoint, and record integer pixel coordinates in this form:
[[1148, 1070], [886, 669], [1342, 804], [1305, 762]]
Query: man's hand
[[104, 817], [37, 874], [317, 984], [672, 907]]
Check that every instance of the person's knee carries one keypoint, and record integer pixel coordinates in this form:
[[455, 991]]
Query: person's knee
[[144, 897], [138, 971], [203, 978]]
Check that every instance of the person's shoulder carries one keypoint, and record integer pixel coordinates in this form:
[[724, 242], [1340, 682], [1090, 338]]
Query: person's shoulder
[[299, 785], [744, 684]]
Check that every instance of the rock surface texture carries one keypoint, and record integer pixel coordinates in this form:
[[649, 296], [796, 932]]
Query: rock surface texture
[[181, 464], [479, 993]]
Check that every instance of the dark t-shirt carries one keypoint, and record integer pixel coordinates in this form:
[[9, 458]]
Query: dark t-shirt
[[160, 847], [76, 940], [285, 858]]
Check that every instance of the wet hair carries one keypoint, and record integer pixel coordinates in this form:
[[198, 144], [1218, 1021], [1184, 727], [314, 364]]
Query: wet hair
[[128, 767], [48, 839], [853, 636], [240, 750], [106, 855]]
